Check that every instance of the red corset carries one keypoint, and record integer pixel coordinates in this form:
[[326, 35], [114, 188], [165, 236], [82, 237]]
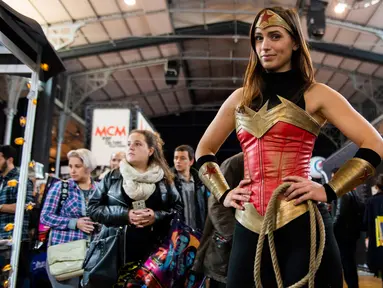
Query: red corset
[[283, 151], [276, 143]]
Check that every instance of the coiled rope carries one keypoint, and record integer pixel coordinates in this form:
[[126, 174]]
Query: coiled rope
[[269, 225]]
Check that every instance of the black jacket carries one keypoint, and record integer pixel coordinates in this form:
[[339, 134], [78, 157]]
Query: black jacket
[[346, 220], [200, 197], [108, 204]]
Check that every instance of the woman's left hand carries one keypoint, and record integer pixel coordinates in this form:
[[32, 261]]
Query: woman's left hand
[[303, 189]]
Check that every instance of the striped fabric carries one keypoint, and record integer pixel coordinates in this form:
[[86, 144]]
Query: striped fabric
[[8, 195], [72, 208]]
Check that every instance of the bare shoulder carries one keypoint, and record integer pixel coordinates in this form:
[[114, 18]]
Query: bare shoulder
[[235, 98], [338, 111], [319, 95], [322, 91]]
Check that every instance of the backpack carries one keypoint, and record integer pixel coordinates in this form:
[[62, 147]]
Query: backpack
[[43, 231]]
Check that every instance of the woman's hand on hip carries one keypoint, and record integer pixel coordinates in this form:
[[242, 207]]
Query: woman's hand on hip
[[85, 224], [238, 195], [142, 217], [303, 189]]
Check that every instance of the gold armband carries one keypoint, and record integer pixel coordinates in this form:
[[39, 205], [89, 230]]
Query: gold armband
[[211, 175], [350, 175]]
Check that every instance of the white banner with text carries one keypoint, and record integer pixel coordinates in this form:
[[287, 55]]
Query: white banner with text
[[110, 130]]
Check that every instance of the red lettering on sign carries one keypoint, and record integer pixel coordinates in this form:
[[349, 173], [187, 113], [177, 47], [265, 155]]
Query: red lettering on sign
[[120, 132], [110, 131]]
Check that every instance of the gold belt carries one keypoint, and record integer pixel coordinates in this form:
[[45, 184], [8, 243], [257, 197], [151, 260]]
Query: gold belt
[[286, 212]]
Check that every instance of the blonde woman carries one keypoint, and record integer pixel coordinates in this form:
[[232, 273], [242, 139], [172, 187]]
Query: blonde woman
[[70, 223]]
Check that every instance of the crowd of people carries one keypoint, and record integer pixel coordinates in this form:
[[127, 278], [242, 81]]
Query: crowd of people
[[277, 116], [92, 203]]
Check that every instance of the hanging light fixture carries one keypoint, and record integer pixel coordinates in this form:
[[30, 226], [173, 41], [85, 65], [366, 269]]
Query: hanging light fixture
[[130, 2], [29, 206], [342, 5], [12, 183], [19, 141], [9, 227], [23, 121], [6, 268], [365, 4]]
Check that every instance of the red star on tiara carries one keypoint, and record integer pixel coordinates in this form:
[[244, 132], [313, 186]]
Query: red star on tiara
[[270, 18], [266, 16]]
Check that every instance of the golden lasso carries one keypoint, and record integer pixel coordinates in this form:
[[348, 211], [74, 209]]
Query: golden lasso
[[269, 225]]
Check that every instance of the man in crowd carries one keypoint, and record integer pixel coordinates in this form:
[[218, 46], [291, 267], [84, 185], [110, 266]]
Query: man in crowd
[[193, 193], [9, 182], [114, 163]]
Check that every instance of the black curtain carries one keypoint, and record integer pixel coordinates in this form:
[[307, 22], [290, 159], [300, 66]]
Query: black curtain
[[17, 130], [42, 136], [3, 119]]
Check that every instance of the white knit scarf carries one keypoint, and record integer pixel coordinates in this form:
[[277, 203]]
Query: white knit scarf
[[140, 186]]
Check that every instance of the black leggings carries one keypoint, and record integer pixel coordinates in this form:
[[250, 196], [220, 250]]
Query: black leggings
[[293, 251]]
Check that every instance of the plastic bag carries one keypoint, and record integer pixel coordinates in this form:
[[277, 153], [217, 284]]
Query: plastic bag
[[170, 264]]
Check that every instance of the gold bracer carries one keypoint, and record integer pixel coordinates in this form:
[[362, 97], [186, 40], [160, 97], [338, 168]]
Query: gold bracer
[[350, 175], [211, 175]]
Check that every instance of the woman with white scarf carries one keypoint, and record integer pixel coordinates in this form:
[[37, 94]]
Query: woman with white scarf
[[140, 194]]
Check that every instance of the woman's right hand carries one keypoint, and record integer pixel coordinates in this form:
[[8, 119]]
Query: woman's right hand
[[85, 224], [238, 195]]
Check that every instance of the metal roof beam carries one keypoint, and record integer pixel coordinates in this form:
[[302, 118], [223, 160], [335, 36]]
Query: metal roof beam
[[160, 61], [108, 17], [72, 114], [140, 12], [355, 27], [347, 52], [123, 67], [181, 34], [225, 29], [133, 98]]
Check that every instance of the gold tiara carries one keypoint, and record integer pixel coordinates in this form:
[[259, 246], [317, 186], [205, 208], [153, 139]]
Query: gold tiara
[[270, 18]]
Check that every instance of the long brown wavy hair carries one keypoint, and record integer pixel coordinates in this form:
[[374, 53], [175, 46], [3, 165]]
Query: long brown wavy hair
[[300, 60], [154, 141]]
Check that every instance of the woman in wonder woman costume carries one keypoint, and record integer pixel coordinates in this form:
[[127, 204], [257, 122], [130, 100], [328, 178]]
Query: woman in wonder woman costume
[[278, 115]]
